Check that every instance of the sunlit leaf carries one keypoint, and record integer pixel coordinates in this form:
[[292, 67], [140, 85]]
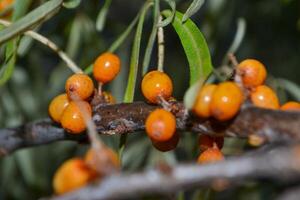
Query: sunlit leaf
[[71, 3]]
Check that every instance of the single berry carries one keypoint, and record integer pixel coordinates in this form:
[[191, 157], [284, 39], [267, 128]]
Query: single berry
[[157, 84], [253, 73], [226, 101], [108, 97], [210, 155], [160, 125], [264, 97], [166, 145], [79, 87], [106, 67], [291, 106], [205, 142], [57, 107], [202, 104], [103, 161], [72, 119], [72, 175]]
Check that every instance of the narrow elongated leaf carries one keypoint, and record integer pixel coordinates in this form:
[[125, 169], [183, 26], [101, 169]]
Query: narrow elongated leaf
[[170, 17], [102, 15], [35, 17], [71, 3], [134, 60], [193, 8], [290, 87], [7, 68]]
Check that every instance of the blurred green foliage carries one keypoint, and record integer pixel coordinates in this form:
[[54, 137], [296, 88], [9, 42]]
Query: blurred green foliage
[[272, 36]]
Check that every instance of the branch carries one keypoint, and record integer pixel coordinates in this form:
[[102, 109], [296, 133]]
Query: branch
[[269, 125], [280, 164]]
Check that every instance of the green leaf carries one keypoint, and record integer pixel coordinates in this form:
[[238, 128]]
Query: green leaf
[[35, 17], [170, 17], [134, 61], [191, 94], [71, 3], [20, 8], [194, 45], [193, 8], [290, 87], [7, 69], [102, 15]]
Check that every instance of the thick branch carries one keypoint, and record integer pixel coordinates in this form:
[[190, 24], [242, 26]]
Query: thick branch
[[280, 164], [270, 125]]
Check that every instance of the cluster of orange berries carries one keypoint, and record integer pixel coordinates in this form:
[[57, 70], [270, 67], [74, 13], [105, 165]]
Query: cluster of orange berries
[[78, 172], [72, 108]]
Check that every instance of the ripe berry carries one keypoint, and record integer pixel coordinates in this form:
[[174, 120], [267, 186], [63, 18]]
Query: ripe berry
[[72, 118], [205, 142], [202, 105], [160, 125], [226, 101], [106, 67], [57, 107], [155, 84], [72, 175], [210, 155], [166, 145], [79, 87], [264, 97], [291, 106], [253, 73], [104, 161]]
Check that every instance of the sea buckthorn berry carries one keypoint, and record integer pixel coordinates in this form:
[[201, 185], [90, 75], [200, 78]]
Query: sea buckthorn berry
[[57, 107], [103, 161], [226, 101], [71, 175], [72, 118], [264, 97], [108, 97], [205, 142], [160, 125], [106, 67], [79, 87], [210, 155], [253, 73], [202, 104], [155, 84], [291, 106], [166, 145]]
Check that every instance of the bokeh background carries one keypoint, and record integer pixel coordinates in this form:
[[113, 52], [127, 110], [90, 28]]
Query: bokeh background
[[272, 35]]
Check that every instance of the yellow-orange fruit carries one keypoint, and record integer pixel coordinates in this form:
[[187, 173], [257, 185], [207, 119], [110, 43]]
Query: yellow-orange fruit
[[57, 107], [72, 175], [210, 155], [5, 3], [155, 84], [160, 125], [291, 106], [226, 101], [106, 67], [202, 104], [253, 73], [72, 119], [167, 145], [205, 142], [264, 97], [79, 87]]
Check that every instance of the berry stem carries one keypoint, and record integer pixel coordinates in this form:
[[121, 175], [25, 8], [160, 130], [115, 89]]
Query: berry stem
[[100, 84], [161, 46]]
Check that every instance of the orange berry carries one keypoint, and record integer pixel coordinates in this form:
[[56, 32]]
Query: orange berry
[[108, 97], [57, 107], [253, 73], [264, 97], [155, 84], [291, 106], [210, 155], [72, 118], [71, 175], [160, 125], [102, 161], [166, 145], [205, 142], [202, 104], [226, 101], [79, 87], [106, 67], [5, 3]]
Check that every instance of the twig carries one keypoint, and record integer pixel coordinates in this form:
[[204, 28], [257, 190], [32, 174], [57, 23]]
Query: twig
[[269, 125], [280, 164], [161, 46], [51, 45]]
